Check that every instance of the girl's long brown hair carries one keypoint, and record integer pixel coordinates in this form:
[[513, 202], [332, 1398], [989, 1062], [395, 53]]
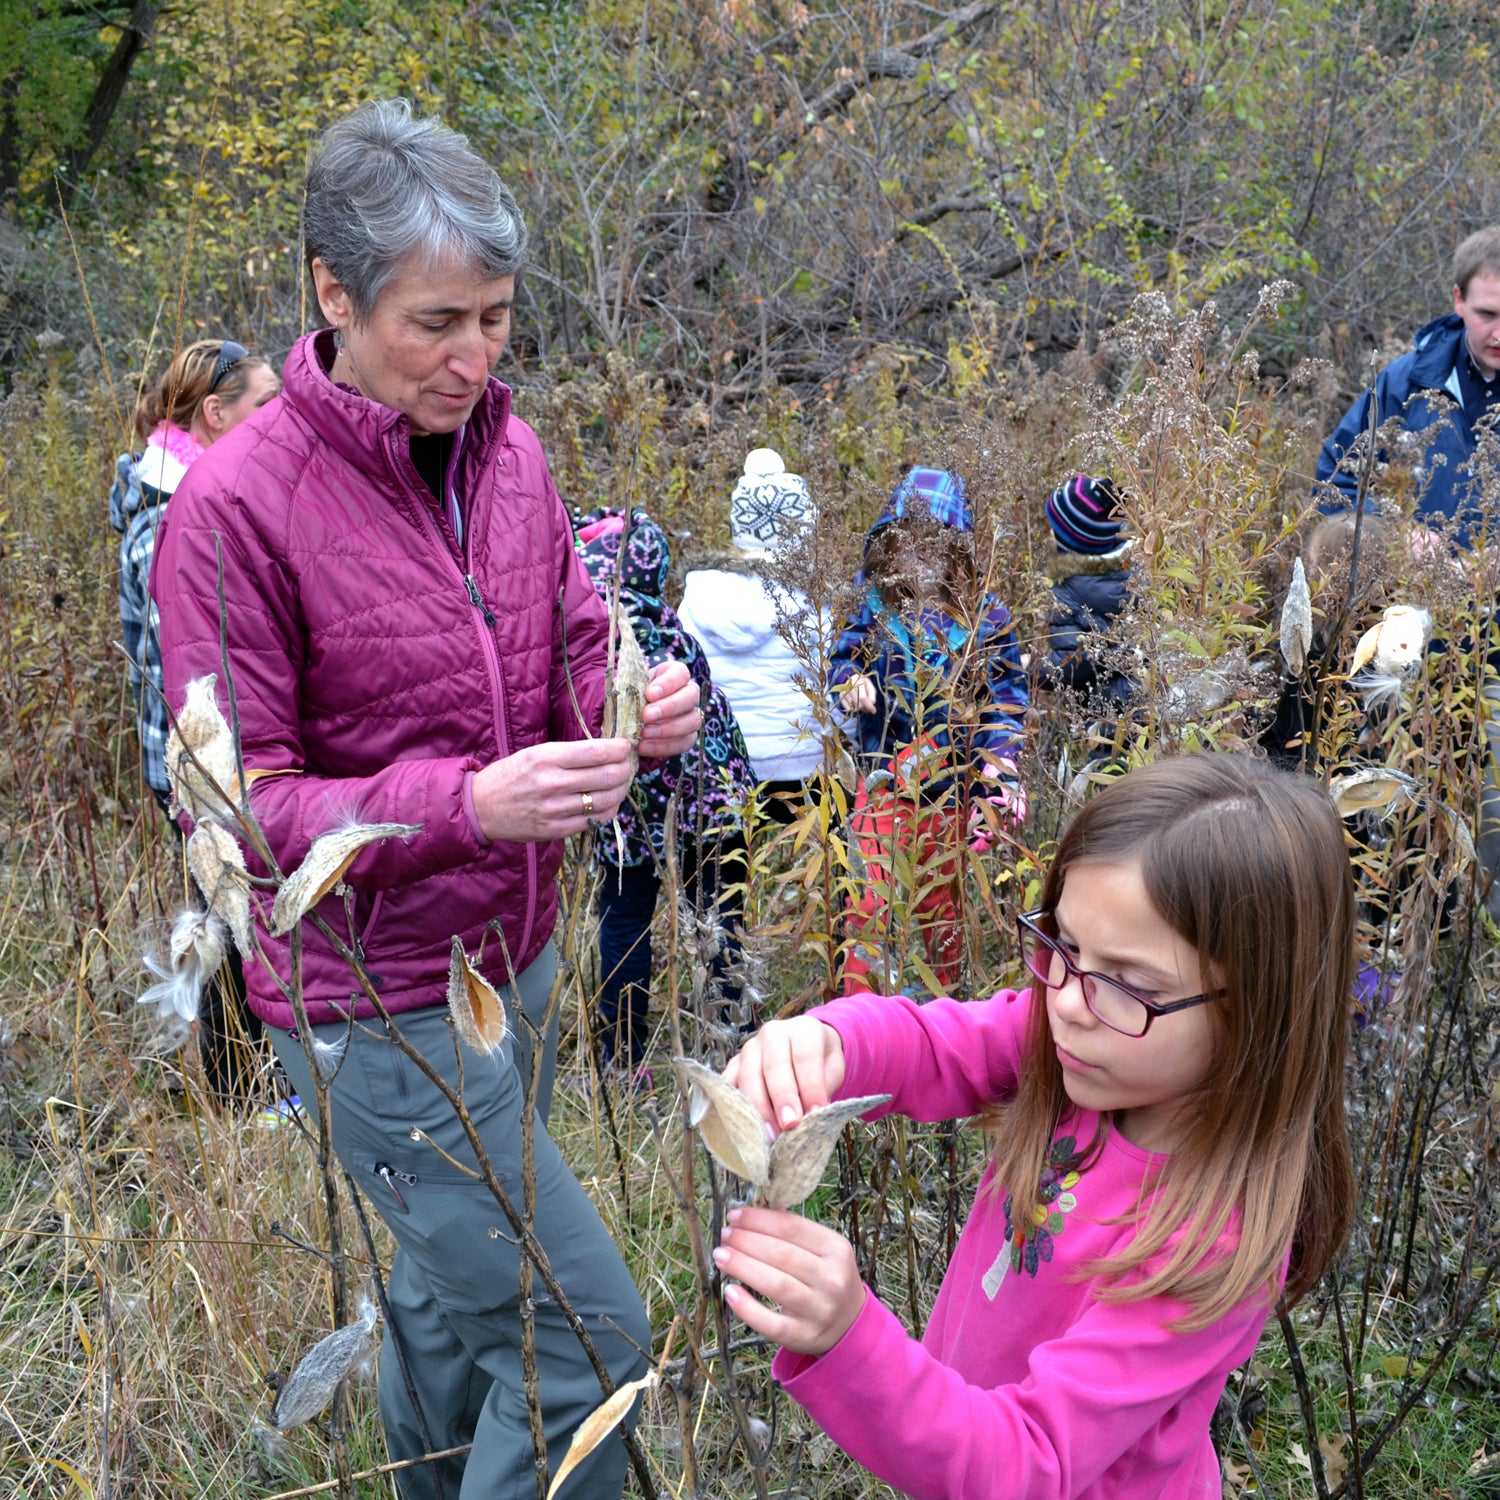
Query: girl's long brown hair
[[1249, 865]]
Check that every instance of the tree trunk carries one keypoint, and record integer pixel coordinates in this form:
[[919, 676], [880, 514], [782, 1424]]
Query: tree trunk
[[134, 35]]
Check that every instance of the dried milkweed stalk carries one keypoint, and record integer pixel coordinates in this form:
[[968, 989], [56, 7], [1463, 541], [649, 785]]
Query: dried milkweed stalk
[[784, 1171]]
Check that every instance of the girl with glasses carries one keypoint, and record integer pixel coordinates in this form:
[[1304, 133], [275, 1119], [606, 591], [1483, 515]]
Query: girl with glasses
[[1170, 1153]]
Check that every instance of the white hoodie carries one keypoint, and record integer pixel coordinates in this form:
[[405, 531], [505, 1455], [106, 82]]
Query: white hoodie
[[734, 617]]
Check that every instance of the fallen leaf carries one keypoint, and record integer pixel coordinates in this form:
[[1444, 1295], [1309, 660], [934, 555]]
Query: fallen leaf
[[598, 1425], [324, 867], [478, 1015]]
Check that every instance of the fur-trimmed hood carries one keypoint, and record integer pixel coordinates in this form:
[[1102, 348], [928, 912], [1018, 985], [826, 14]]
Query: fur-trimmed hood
[[1062, 566]]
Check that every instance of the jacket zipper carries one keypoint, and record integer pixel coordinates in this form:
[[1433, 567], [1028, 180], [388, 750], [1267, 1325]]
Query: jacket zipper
[[464, 562]]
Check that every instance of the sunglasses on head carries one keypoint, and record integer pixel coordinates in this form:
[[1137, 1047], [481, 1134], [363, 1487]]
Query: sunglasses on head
[[230, 354]]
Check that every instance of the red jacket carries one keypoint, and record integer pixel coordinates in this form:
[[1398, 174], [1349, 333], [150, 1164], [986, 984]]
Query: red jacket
[[382, 664]]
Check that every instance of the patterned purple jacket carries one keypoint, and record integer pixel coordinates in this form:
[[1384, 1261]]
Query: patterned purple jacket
[[378, 663]]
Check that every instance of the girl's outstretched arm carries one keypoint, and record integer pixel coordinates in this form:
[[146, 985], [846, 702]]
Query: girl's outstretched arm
[[806, 1269]]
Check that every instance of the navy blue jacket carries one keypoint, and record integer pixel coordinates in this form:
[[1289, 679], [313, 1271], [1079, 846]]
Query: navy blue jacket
[[1403, 389], [1087, 593]]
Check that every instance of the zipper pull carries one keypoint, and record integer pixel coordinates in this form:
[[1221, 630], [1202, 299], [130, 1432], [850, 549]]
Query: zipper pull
[[389, 1177], [477, 600]]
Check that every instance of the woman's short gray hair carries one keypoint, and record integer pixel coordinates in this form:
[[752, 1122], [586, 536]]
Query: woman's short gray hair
[[386, 186]]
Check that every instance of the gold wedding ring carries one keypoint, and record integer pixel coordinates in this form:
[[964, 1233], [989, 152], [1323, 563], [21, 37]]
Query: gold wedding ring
[[588, 804]]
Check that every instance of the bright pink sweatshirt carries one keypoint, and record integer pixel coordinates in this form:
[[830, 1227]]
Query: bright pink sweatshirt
[[1023, 1386]]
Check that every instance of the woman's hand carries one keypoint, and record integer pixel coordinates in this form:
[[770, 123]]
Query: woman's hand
[[859, 693], [788, 1068], [806, 1269], [552, 790], [672, 716]]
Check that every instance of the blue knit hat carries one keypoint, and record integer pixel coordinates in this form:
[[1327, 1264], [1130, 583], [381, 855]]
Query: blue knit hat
[[1083, 515]]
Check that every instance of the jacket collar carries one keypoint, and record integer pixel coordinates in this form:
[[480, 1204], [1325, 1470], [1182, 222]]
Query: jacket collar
[[1064, 565], [361, 431], [1439, 345]]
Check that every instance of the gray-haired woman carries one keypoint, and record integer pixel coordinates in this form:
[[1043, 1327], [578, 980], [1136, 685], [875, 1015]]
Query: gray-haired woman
[[412, 639]]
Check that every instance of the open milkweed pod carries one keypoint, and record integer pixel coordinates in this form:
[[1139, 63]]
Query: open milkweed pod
[[800, 1153], [1296, 622], [784, 1171], [218, 865], [478, 1015], [1396, 645], [726, 1121], [1374, 789], [625, 697], [598, 1425], [202, 737], [327, 859]]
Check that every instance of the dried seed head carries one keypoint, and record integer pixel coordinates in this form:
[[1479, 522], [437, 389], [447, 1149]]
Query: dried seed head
[[478, 1015], [598, 1425]]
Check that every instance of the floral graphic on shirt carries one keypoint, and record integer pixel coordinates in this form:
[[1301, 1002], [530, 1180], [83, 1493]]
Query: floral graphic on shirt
[[1028, 1245]]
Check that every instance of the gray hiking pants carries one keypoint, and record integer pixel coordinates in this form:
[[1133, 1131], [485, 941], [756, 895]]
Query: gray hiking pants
[[454, 1283]]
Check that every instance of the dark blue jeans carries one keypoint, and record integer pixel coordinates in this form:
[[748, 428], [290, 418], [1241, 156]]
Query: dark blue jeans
[[627, 903]]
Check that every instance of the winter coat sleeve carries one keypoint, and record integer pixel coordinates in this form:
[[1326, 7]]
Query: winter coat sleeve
[[1105, 1390], [945, 1060], [266, 649], [1341, 442], [1003, 713]]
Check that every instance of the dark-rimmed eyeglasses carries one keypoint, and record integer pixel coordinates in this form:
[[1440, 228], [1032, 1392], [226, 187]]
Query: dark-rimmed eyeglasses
[[230, 354], [1117, 1005]]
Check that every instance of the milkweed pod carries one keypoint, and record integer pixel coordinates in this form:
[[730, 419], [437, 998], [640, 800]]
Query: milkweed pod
[[200, 755], [1296, 622], [726, 1121], [478, 1015], [625, 699], [1373, 789], [218, 865], [321, 1370], [324, 867], [598, 1425], [799, 1155]]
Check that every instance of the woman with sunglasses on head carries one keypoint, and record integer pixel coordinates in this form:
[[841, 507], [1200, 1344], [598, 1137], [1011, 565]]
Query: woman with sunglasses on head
[[412, 639], [1165, 1105], [207, 390]]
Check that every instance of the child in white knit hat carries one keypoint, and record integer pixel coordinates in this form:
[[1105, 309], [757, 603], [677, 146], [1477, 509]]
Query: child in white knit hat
[[738, 613]]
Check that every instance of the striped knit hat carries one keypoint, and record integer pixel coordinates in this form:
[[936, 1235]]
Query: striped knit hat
[[1082, 514]]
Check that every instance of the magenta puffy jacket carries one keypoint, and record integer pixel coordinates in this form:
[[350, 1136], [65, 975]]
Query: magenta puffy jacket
[[378, 664]]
